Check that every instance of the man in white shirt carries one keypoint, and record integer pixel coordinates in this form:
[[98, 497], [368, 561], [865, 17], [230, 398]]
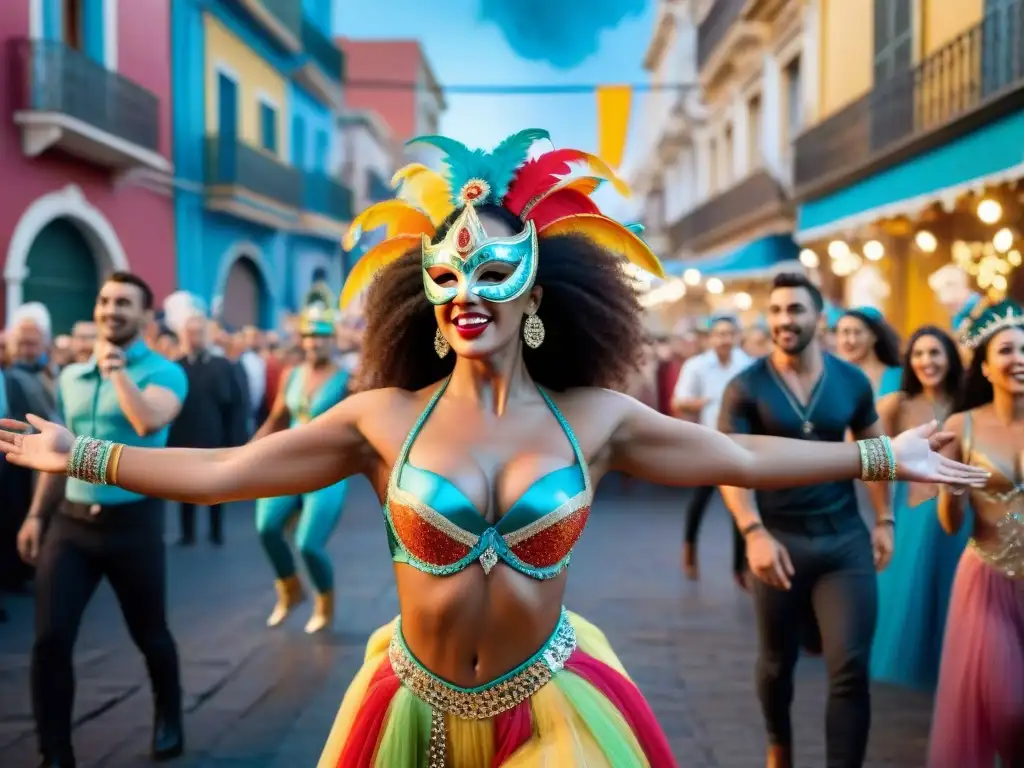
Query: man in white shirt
[[698, 392]]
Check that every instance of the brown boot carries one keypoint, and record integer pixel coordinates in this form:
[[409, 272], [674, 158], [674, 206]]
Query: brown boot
[[690, 562], [289, 594], [779, 757], [323, 614]]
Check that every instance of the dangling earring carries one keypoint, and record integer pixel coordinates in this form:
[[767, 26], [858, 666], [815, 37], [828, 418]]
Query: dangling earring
[[533, 331], [441, 345]]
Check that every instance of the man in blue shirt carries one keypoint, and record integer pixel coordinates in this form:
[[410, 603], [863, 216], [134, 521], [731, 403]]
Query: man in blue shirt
[[128, 393], [808, 546]]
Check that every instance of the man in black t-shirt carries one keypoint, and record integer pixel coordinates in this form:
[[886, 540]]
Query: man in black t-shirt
[[809, 546]]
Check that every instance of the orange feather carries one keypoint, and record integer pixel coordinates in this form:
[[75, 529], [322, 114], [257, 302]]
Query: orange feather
[[398, 216], [373, 261], [609, 234]]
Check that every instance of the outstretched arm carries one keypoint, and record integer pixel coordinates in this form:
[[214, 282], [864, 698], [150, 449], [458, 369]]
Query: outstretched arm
[[298, 460], [951, 506], [667, 451]]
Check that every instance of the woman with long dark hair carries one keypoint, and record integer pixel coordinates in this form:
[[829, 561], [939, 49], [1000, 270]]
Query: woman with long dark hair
[[498, 322], [913, 591], [864, 338], [979, 705]]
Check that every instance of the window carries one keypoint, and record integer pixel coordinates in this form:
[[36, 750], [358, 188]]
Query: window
[[713, 167], [298, 143], [754, 132], [322, 159], [794, 103], [894, 38], [268, 127], [728, 149], [71, 17]]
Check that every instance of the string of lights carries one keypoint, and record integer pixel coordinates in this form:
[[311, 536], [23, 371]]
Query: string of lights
[[513, 89]]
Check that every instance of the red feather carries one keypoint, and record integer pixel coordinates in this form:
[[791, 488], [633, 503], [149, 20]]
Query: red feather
[[565, 202], [537, 176]]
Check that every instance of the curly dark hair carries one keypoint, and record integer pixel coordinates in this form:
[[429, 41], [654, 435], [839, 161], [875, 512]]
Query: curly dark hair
[[977, 390], [953, 383], [887, 341], [592, 318]]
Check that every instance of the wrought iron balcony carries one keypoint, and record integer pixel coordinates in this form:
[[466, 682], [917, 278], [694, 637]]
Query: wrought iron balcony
[[322, 71], [251, 183], [716, 25], [326, 197], [755, 201], [975, 78], [281, 19], [63, 99]]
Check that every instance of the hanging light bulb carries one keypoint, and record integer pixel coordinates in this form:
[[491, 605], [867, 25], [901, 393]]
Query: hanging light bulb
[[926, 241], [989, 211], [873, 250], [744, 301], [691, 276], [809, 258], [1002, 241], [837, 249], [1014, 258], [715, 286]]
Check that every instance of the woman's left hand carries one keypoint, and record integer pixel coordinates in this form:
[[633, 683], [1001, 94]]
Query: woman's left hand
[[917, 459]]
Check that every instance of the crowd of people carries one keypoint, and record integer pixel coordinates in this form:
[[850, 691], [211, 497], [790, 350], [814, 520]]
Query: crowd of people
[[502, 339]]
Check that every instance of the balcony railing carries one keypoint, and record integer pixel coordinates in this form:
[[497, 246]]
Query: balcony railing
[[714, 28], [287, 12], [322, 50], [233, 164], [50, 77], [950, 92], [326, 196], [756, 198]]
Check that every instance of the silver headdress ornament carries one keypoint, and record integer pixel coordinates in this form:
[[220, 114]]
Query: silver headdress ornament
[[1005, 314]]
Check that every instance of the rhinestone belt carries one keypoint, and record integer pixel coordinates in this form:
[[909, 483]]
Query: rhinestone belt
[[486, 701]]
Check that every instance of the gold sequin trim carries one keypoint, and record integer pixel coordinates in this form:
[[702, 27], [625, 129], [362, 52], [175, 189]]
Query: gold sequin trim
[[555, 516], [488, 701], [433, 518]]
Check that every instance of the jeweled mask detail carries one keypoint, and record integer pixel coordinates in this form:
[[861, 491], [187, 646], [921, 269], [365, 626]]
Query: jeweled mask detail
[[467, 250]]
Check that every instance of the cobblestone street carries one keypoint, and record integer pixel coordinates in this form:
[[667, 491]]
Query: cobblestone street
[[265, 699]]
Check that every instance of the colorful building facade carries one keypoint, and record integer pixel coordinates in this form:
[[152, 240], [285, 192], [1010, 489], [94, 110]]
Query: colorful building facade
[[85, 142], [260, 208], [909, 177]]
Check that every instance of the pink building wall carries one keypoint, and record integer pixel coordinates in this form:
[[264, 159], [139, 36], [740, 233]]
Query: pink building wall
[[142, 219]]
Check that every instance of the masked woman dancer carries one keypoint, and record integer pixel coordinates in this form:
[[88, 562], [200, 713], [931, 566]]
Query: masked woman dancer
[[913, 592], [499, 313], [306, 391], [979, 705]]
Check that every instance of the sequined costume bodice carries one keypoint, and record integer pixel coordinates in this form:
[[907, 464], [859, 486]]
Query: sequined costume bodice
[[433, 527], [305, 405], [1005, 549]]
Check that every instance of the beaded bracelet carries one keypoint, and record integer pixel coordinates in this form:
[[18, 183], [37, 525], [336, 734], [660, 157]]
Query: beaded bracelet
[[94, 461], [877, 460]]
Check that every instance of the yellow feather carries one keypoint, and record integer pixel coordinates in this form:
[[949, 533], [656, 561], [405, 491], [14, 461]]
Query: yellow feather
[[373, 261], [602, 169], [609, 234], [426, 189], [398, 216]]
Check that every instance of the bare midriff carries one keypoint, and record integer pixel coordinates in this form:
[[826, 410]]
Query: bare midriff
[[470, 628]]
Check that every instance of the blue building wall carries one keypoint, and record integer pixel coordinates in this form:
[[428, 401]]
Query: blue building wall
[[208, 242]]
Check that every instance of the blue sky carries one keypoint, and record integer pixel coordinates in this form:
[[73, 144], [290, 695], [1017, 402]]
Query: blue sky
[[498, 41]]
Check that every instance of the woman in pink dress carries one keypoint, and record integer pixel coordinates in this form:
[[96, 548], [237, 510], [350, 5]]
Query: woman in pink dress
[[979, 707]]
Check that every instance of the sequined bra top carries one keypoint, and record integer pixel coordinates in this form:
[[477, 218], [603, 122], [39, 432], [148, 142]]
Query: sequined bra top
[[433, 527], [1005, 551]]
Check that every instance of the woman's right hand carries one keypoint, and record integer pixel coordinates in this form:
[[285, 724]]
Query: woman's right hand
[[46, 450]]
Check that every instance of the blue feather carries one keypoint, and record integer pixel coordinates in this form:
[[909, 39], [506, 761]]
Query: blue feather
[[509, 155]]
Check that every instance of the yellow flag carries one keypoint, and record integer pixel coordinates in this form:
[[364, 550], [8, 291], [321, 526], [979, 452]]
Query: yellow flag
[[614, 103]]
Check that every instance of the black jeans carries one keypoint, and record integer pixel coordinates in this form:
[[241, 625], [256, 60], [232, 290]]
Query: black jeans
[[125, 544], [835, 577], [188, 523], [695, 515]]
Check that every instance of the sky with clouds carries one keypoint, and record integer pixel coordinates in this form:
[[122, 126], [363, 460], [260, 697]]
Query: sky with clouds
[[519, 42]]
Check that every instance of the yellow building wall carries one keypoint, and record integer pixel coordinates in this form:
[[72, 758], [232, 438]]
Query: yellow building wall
[[846, 51], [942, 20], [256, 78]]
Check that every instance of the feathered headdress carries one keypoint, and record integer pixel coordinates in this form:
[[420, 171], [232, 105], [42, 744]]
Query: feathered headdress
[[992, 320], [318, 311], [553, 191]]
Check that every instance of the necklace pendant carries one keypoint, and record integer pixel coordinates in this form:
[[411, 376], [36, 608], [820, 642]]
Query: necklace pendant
[[488, 560], [808, 428]]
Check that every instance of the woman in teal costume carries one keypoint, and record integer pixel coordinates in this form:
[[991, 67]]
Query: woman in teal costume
[[307, 391], [913, 592], [866, 340]]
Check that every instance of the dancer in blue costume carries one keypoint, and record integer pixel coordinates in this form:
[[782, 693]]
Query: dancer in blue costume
[[864, 338], [913, 592], [308, 390]]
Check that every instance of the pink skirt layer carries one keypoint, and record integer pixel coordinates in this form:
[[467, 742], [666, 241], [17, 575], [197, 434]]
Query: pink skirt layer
[[979, 705]]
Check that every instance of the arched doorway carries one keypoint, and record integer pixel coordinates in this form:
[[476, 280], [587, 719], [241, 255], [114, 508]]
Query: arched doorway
[[319, 275], [243, 294], [62, 274]]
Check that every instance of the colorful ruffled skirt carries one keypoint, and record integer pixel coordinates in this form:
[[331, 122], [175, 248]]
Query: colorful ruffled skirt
[[571, 704]]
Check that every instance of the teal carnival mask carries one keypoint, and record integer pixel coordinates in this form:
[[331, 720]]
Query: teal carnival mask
[[467, 251]]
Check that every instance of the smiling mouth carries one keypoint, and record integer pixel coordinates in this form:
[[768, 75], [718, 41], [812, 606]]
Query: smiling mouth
[[470, 325]]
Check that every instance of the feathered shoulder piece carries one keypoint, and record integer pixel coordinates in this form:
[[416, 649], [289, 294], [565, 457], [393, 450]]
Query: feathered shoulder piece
[[992, 320], [553, 190]]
